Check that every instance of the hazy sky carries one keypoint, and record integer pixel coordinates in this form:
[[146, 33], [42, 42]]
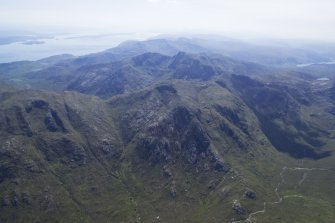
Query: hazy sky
[[311, 19]]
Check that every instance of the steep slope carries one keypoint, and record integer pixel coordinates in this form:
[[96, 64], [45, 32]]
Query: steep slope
[[52, 160], [282, 112], [76, 158]]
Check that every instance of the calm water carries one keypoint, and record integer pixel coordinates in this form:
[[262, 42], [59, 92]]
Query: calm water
[[320, 63], [71, 44]]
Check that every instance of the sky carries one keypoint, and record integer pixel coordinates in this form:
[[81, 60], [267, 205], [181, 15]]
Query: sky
[[298, 19]]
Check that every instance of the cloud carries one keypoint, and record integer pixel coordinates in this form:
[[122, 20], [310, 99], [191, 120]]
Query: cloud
[[277, 18], [163, 1], [153, 1]]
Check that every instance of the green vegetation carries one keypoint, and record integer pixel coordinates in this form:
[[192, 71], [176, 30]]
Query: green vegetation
[[170, 139]]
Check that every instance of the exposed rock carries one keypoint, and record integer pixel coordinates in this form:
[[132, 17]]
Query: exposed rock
[[194, 143], [38, 103], [108, 147], [26, 198], [154, 149], [28, 108], [17, 181], [179, 136], [48, 202], [225, 191], [237, 207], [216, 163], [31, 166], [15, 200], [232, 115], [5, 201], [173, 189], [64, 149], [167, 171], [181, 117], [17, 122], [250, 194], [7, 171], [206, 167], [166, 88], [212, 184], [228, 113], [157, 219], [230, 133], [53, 122]]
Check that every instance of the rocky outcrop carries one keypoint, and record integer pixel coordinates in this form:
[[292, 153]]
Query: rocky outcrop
[[14, 121], [237, 207], [15, 200], [167, 172], [63, 150], [173, 189], [7, 171], [108, 147], [53, 122], [180, 137], [233, 116], [250, 194]]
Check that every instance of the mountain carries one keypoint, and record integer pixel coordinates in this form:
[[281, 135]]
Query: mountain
[[60, 69], [123, 75], [153, 134], [54, 72], [78, 158]]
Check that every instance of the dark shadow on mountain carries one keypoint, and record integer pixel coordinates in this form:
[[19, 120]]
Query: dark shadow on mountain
[[271, 103]]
